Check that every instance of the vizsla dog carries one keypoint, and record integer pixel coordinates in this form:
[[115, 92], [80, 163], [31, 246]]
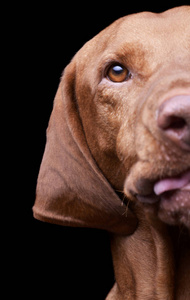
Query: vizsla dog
[[118, 151]]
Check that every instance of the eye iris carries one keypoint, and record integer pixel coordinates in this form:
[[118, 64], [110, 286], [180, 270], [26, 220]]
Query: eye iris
[[117, 73]]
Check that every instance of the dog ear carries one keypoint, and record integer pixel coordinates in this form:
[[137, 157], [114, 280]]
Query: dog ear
[[71, 190]]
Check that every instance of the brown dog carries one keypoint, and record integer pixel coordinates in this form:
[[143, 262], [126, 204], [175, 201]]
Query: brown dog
[[121, 126]]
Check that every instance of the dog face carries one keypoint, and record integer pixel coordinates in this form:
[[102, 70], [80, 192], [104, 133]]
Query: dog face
[[134, 106]]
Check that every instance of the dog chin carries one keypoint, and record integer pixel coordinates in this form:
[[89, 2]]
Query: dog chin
[[174, 203], [174, 207]]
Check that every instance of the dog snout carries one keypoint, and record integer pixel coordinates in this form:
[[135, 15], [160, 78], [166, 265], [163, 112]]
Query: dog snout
[[173, 119]]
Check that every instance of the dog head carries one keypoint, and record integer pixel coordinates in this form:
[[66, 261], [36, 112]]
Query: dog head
[[128, 117]]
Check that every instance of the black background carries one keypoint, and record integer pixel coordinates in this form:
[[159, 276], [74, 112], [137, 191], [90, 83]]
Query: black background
[[50, 260]]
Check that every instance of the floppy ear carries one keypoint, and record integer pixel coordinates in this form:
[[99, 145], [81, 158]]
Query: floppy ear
[[71, 190]]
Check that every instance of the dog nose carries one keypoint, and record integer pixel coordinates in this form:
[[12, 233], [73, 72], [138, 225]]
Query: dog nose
[[174, 120]]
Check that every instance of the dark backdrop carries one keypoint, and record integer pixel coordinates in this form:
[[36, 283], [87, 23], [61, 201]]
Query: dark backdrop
[[54, 261]]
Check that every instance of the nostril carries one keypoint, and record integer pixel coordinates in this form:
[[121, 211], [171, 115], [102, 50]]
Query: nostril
[[173, 118], [174, 122], [171, 122]]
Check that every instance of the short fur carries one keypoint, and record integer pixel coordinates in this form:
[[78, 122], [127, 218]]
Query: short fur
[[103, 142]]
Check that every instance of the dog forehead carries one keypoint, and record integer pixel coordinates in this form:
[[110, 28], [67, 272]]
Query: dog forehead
[[144, 27], [148, 27]]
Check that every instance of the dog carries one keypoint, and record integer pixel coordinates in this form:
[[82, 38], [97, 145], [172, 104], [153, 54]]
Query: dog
[[117, 155]]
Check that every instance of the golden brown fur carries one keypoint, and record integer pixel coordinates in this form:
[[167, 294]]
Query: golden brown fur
[[103, 140]]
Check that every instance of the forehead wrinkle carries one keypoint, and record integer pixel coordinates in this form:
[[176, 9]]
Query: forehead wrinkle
[[132, 54]]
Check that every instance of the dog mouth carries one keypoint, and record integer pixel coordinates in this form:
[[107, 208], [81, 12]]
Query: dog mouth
[[171, 196], [174, 197], [181, 182]]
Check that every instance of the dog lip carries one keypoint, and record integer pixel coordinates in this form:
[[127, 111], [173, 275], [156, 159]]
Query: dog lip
[[148, 199], [172, 183]]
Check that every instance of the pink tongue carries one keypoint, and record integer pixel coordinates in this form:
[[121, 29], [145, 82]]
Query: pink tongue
[[169, 184]]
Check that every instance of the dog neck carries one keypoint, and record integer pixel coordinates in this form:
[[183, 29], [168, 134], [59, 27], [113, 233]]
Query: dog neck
[[164, 275]]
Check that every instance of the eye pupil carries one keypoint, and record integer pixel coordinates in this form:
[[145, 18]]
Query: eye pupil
[[118, 73], [117, 70]]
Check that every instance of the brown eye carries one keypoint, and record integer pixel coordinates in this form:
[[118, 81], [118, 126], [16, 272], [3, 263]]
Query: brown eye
[[118, 73]]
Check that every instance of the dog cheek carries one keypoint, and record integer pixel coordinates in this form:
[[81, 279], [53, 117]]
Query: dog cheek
[[108, 122], [125, 145]]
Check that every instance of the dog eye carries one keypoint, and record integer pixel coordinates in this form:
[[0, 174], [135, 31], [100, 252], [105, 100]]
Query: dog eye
[[118, 73]]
